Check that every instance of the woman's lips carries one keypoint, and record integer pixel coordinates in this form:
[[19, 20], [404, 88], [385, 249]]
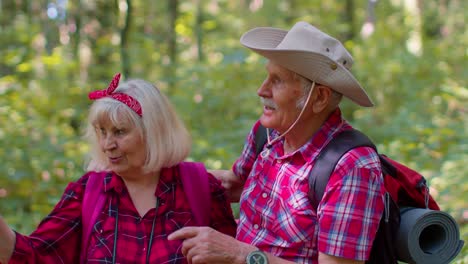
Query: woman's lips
[[114, 159]]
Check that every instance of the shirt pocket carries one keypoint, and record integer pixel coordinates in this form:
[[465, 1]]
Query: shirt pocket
[[102, 239], [296, 221], [175, 220]]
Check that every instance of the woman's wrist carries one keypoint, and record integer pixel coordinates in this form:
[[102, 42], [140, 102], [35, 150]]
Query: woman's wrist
[[8, 238]]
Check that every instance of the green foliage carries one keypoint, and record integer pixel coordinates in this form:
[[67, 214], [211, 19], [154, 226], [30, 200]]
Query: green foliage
[[47, 67]]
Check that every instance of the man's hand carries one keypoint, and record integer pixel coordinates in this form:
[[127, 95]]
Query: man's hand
[[204, 245], [231, 182]]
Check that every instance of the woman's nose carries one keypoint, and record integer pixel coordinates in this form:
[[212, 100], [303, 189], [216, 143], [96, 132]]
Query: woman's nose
[[109, 142]]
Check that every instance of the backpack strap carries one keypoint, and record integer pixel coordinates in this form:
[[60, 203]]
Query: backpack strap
[[326, 160], [197, 188], [329, 157], [260, 139], [91, 207]]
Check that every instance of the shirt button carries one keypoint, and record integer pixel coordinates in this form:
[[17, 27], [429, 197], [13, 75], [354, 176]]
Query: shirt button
[[279, 161], [256, 226], [264, 195], [144, 249]]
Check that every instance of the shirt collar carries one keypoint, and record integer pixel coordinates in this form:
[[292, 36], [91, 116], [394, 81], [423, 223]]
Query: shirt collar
[[113, 182]]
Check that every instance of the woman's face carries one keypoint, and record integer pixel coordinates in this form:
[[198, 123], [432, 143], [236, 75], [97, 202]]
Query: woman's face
[[123, 146]]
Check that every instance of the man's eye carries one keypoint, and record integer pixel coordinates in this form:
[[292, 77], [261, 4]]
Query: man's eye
[[120, 131]]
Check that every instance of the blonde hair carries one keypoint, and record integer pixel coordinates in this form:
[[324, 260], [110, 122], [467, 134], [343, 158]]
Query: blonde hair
[[163, 132]]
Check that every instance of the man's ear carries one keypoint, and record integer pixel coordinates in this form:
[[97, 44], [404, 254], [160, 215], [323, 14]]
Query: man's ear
[[321, 97]]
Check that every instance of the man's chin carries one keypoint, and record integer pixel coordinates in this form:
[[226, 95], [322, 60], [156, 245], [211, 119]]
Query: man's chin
[[266, 122]]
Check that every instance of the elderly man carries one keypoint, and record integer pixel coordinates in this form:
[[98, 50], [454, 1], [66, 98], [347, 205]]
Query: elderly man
[[308, 73]]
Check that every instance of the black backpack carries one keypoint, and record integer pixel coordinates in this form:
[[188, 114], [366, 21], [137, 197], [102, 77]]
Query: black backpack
[[405, 187]]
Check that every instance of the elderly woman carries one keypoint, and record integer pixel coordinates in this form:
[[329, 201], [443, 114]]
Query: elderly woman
[[136, 135]]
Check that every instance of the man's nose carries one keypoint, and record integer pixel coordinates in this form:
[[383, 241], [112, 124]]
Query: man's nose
[[264, 89]]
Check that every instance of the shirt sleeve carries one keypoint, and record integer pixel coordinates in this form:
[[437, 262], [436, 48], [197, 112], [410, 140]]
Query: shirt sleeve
[[244, 164], [222, 218], [350, 210], [57, 239]]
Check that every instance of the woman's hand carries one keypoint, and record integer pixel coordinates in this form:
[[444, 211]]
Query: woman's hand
[[8, 238]]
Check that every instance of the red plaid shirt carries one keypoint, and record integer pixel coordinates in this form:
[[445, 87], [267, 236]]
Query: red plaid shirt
[[58, 237], [275, 211]]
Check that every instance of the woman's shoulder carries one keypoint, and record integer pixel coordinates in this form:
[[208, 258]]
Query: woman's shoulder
[[189, 169], [80, 184], [91, 175]]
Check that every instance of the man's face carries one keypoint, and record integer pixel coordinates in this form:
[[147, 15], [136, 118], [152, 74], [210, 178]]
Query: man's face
[[280, 93]]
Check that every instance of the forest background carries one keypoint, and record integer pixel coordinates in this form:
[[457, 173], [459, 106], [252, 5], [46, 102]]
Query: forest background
[[410, 55]]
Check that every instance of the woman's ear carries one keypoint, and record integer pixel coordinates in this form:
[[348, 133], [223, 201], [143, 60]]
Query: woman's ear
[[321, 97]]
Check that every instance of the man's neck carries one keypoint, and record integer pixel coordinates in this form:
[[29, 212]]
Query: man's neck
[[303, 131]]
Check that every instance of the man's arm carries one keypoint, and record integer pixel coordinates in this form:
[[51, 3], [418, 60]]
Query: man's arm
[[208, 246], [231, 182], [328, 259]]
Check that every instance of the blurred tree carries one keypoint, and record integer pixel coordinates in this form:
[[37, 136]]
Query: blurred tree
[[52, 53]]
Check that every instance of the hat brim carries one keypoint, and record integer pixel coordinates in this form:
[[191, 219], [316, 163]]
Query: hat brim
[[312, 65]]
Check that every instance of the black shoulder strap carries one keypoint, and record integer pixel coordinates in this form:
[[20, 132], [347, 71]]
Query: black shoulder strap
[[329, 157], [260, 139]]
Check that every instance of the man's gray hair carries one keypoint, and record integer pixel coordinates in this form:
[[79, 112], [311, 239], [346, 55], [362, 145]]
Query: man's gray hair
[[307, 85]]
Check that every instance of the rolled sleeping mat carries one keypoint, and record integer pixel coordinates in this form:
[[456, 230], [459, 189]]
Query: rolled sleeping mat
[[427, 236]]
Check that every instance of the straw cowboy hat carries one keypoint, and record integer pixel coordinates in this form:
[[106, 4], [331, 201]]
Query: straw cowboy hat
[[311, 53]]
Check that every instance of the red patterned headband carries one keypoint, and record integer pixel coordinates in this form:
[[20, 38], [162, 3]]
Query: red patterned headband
[[124, 98]]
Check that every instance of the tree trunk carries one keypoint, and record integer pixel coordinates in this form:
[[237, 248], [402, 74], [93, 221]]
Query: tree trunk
[[172, 43], [7, 11], [105, 15], [348, 18], [75, 35], [124, 34], [173, 6], [199, 29]]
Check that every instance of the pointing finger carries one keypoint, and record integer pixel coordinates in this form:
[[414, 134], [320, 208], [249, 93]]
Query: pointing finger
[[184, 233]]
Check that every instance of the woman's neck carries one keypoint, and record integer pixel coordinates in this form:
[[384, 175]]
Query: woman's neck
[[144, 180], [142, 191]]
